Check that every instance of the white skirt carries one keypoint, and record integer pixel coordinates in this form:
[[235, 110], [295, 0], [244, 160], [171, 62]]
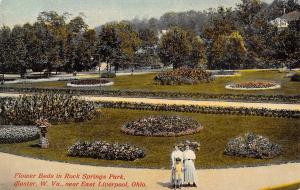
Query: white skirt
[[189, 172]]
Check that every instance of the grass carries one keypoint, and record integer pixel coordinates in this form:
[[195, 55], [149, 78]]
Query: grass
[[218, 129], [145, 83], [292, 186]]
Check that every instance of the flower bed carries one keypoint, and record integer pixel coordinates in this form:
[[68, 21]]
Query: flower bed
[[25, 110], [90, 83], [138, 93], [253, 85], [193, 145], [295, 78], [202, 109], [166, 126], [17, 134], [106, 151], [183, 76], [252, 146]]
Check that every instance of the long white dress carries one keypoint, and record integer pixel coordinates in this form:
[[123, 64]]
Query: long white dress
[[175, 154], [189, 167]]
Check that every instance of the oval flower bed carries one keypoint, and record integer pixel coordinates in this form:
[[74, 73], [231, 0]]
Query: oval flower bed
[[252, 146], [163, 126], [106, 151], [90, 83], [253, 85], [183, 76], [17, 134]]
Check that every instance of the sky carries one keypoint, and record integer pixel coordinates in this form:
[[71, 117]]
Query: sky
[[98, 12]]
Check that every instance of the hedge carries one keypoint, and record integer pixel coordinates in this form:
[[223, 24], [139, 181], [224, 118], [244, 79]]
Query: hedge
[[182, 95], [202, 109]]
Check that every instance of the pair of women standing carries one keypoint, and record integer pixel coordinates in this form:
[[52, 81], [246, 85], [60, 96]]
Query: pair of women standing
[[183, 167]]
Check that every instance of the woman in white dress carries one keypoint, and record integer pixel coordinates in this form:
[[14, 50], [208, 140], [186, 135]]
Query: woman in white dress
[[189, 167], [176, 154]]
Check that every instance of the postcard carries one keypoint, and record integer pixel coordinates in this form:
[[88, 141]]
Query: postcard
[[150, 94]]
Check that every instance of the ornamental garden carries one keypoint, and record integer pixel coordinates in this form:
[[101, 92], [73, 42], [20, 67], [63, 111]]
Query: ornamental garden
[[117, 134]]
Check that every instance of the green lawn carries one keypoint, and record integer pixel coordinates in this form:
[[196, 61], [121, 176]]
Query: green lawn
[[218, 129], [145, 83]]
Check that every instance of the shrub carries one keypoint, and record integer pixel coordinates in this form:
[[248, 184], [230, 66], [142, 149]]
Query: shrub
[[296, 78], [183, 76], [253, 146], [202, 109], [132, 93], [162, 126], [106, 151], [108, 75], [25, 110], [16, 134]]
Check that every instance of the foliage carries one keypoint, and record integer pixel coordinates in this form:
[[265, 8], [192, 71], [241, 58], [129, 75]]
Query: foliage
[[181, 48], [117, 45], [183, 76], [90, 81], [108, 75], [192, 145], [165, 94], [202, 109], [25, 110], [253, 146], [166, 126], [295, 77], [105, 150], [253, 84], [17, 134]]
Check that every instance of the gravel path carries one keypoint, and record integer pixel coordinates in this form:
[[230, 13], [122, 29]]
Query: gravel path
[[253, 178], [272, 106]]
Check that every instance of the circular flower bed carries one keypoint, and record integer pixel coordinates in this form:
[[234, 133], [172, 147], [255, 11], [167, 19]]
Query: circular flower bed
[[105, 150], [253, 85], [183, 76], [90, 83], [17, 134], [253, 146], [167, 126]]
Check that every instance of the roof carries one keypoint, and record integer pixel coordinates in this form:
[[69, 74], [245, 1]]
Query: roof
[[291, 16]]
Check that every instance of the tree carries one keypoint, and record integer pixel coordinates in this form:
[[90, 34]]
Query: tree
[[118, 43], [181, 48]]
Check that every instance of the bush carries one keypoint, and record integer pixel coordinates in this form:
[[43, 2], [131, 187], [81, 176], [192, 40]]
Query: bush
[[162, 126], [105, 150], [252, 146], [132, 93], [296, 78], [108, 75], [183, 76], [17, 134], [202, 109], [25, 110]]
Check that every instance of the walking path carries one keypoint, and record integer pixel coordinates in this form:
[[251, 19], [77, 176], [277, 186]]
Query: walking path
[[272, 106], [253, 178]]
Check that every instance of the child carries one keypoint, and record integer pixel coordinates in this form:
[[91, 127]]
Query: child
[[178, 169]]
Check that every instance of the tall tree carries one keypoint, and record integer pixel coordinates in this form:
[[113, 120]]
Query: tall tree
[[181, 48], [118, 43]]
